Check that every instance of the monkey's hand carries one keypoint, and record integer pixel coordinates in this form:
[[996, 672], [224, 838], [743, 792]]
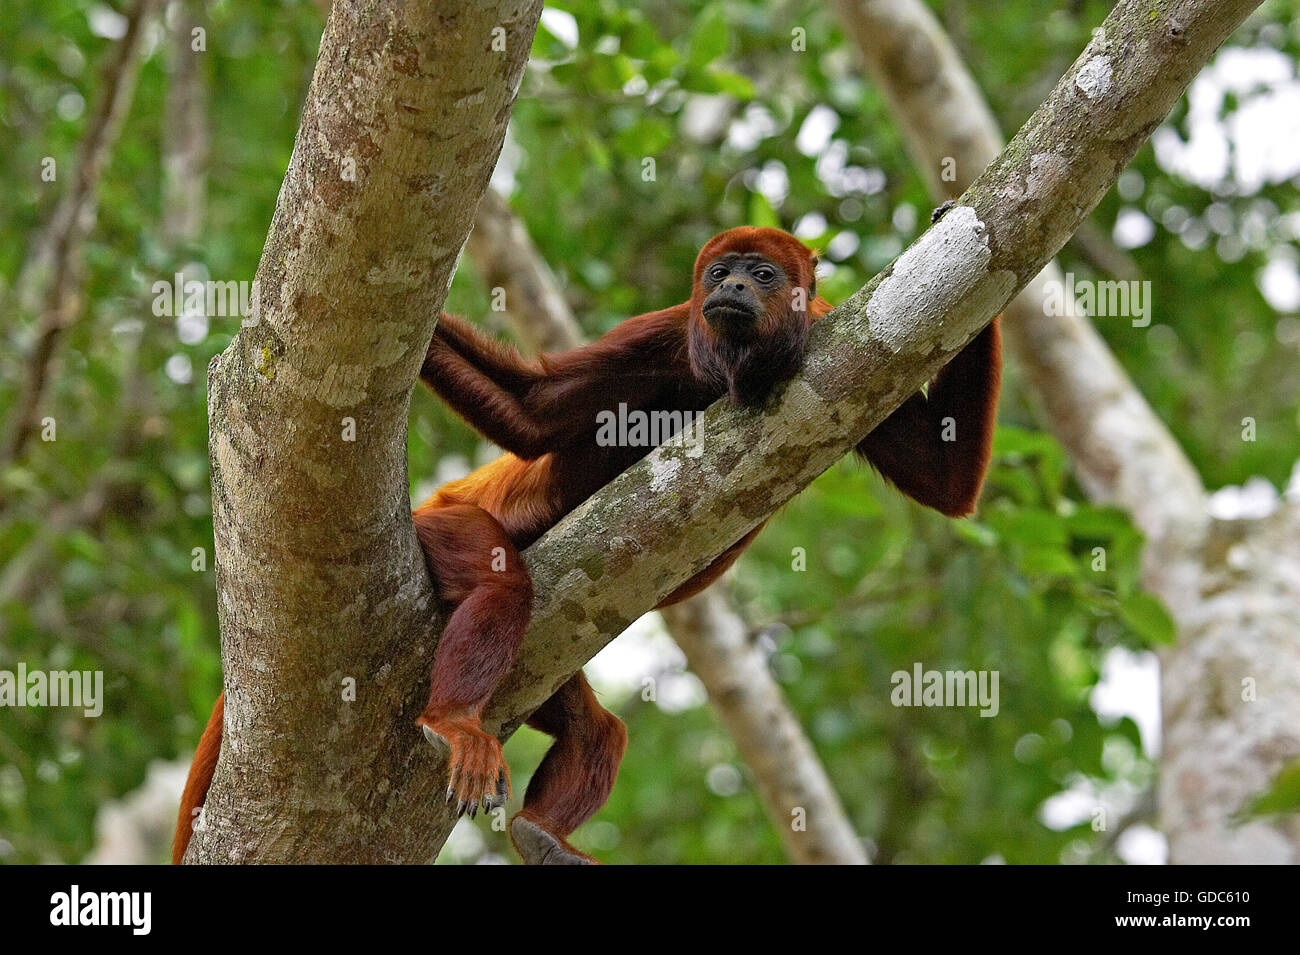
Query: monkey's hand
[[478, 774]]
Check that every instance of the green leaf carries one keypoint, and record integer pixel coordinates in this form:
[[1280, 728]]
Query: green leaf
[[761, 212], [644, 138], [1018, 482], [709, 39], [976, 532], [79, 543], [597, 152], [1282, 796], [1009, 440], [640, 40], [1033, 528], [733, 84], [1147, 618], [1048, 562], [662, 63], [1097, 523]]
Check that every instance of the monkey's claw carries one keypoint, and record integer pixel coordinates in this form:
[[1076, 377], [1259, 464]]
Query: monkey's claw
[[478, 777]]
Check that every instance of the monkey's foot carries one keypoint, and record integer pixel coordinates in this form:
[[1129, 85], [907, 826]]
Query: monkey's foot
[[478, 774], [539, 847]]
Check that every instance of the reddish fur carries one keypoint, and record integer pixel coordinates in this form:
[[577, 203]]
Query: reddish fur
[[543, 412], [577, 774], [907, 447], [198, 780]]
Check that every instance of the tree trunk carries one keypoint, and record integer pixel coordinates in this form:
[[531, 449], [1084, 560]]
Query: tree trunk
[[328, 620]]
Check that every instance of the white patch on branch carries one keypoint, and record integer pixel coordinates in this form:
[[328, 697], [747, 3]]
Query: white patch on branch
[[1093, 77], [663, 470], [946, 272]]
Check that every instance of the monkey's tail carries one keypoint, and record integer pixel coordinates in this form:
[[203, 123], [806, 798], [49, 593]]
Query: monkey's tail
[[199, 779]]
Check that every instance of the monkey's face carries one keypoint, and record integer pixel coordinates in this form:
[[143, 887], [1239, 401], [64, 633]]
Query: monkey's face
[[750, 311], [739, 289]]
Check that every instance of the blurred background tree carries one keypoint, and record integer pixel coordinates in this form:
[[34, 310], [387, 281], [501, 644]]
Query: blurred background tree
[[641, 130]]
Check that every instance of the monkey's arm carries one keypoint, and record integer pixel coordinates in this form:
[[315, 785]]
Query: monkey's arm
[[909, 447], [500, 363], [532, 407]]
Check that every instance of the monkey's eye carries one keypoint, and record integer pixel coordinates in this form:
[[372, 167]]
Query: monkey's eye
[[718, 272], [765, 273]]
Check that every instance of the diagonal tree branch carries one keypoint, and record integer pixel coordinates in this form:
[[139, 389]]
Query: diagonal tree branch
[[796, 789]]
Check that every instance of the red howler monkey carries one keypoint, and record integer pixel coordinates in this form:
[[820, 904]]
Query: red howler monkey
[[743, 331]]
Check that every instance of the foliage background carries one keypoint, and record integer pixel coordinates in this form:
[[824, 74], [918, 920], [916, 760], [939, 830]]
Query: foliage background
[[742, 129]]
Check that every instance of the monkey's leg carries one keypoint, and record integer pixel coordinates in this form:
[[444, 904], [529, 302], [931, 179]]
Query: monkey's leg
[[574, 779], [477, 570]]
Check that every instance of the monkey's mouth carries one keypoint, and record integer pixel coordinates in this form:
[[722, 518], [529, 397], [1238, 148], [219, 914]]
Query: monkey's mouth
[[729, 315]]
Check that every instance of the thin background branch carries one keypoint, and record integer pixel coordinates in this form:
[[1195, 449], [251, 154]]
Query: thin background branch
[[71, 224]]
